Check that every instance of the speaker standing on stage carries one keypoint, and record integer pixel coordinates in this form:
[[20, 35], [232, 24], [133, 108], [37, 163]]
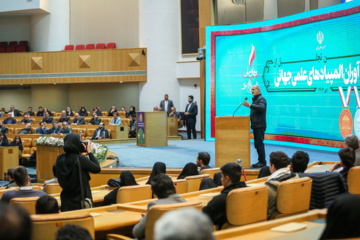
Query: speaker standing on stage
[[258, 123], [191, 111]]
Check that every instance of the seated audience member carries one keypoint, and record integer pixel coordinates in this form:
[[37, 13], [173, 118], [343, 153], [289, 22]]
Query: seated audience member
[[26, 119], [100, 132], [164, 190], [352, 141], [159, 167], [299, 162], [53, 180], [47, 119], [97, 111], [17, 142], [132, 130], [280, 172], [156, 109], [1, 115], [216, 208], [46, 204], [22, 179], [55, 129], [15, 112], [78, 120], [3, 129], [123, 109], [10, 178], [69, 112], [94, 120], [26, 130], [264, 172], [66, 129], [173, 113], [46, 110], [159, 109], [112, 110], [64, 118], [190, 169], [83, 112], [184, 224], [40, 112], [126, 179], [115, 120], [42, 129], [30, 112], [3, 140], [3, 110], [9, 119], [73, 232], [347, 160], [342, 218], [15, 222], [203, 160], [132, 112]]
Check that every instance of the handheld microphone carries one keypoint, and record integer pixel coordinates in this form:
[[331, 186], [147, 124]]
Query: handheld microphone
[[239, 106]]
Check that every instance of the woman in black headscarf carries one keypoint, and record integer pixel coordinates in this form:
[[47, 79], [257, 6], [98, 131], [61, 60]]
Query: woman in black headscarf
[[17, 142], [112, 110], [126, 179], [132, 112], [83, 112], [343, 217], [3, 140], [159, 167], [190, 169], [67, 172]]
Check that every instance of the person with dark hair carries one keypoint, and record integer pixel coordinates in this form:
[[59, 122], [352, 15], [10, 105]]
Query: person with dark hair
[[3, 129], [190, 169], [67, 172], [352, 141], [73, 232], [100, 132], [83, 112], [342, 218], [347, 160], [299, 162], [46, 204], [126, 179], [42, 129], [159, 167], [10, 178], [66, 129], [203, 160], [112, 110], [132, 112], [115, 120], [22, 179], [3, 140], [191, 111], [26, 119], [173, 113], [47, 118], [216, 208], [166, 104], [46, 110], [164, 189], [26, 130], [94, 120], [40, 112], [17, 142], [15, 112], [78, 120], [30, 112], [132, 130], [280, 172], [64, 117], [69, 112], [55, 129], [15, 222]]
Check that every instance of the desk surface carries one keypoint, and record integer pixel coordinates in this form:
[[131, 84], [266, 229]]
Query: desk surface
[[98, 195], [108, 220]]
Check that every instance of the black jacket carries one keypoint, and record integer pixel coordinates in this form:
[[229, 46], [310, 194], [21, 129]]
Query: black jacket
[[49, 120], [216, 208], [4, 129], [80, 121], [64, 119], [95, 121], [103, 132], [258, 112], [193, 111]]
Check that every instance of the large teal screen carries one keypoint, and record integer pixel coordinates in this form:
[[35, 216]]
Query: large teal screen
[[307, 67]]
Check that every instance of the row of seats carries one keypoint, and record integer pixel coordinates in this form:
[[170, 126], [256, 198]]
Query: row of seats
[[90, 46], [14, 46], [106, 120]]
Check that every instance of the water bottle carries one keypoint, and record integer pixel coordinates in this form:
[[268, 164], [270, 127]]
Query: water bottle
[[80, 134]]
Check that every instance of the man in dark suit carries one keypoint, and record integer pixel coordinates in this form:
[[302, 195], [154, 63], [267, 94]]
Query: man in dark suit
[[95, 120], [47, 118], [26, 119], [40, 112], [3, 129], [258, 123], [30, 112], [100, 133], [191, 111], [9, 119], [16, 113], [66, 129], [78, 120], [55, 129], [26, 130], [64, 118], [166, 104]]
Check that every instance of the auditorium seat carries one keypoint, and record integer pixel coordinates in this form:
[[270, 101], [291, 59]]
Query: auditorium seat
[[21, 49], [117, 237], [56, 118], [122, 114], [106, 121], [27, 202], [181, 186], [100, 46], [58, 114], [90, 132], [3, 44], [45, 226], [90, 46], [133, 193], [194, 182], [69, 47], [104, 113], [246, 205], [353, 180], [26, 142], [111, 45], [2, 50], [33, 142], [125, 121], [13, 44], [10, 49], [76, 130], [80, 47], [52, 188], [210, 171], [24, 43], [10, 140], [32, 150]]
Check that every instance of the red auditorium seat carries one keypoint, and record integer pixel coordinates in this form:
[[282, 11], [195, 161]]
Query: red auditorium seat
[[10, 49], [13, 44], [2, 50], [3, 44], [69, 47], [23, 44], [100, 46], [80, 47], [111, 45], [21, 49], [90, 46]]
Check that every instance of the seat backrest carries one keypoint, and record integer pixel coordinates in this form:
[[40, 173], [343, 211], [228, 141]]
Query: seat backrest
[[210, 171], [125, 122], [247, 205], [157, 211], [105, 120], [45, 226], [10, 140], [293, 196], [80, 47], [26, 150], [13, 44], [69, 47], [2, 50], [18, 130], [194, 182], [90, 132], [181, 186], [10, 49], [90, 46], [27, 202], [11, 130], [52, 188], [111, 45], [21, 49], [32, 150], [26, 142], [122, 114], [3, 44], [104, 113], [24, 43], [76, 130], [100, 46], [33, 142], [353, 180], [133, 193]]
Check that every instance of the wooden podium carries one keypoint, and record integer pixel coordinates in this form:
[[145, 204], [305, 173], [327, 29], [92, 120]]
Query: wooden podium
[[151, 129], [232, 140], [45, 160], [9, 158], [172, 126]]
